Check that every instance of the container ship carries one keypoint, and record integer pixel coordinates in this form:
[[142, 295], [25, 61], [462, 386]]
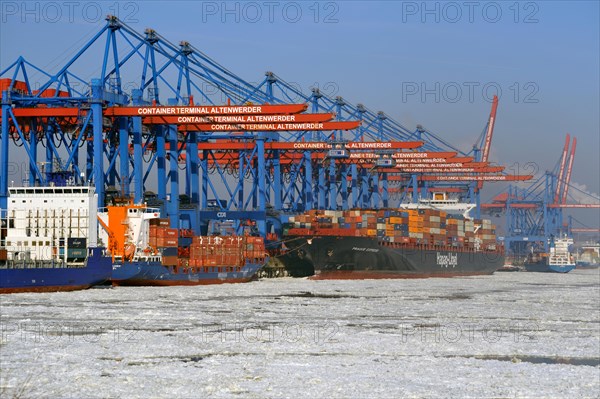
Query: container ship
[[48, 240], [392, 243], [559, 260], [146, 251]]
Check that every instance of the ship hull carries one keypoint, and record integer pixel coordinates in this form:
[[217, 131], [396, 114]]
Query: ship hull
[[96, 270], [367, 258], [296, 266], [586, 265], [545, 268], [152, 273]]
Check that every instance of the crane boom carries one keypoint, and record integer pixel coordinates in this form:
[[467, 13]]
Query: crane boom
[[487, 143], [561, 172], [569, 169], [490, 131]]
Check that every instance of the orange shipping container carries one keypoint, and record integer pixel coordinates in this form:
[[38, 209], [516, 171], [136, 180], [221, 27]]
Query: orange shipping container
[[170, 260]]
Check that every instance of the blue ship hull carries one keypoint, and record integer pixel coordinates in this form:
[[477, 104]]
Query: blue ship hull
[[97, 269], [580, 264], [545, 268], [153, 273]]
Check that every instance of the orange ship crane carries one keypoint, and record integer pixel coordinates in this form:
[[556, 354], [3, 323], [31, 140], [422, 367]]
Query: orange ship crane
[[487, 142], [569, 170], [490, 131], [561, 172]]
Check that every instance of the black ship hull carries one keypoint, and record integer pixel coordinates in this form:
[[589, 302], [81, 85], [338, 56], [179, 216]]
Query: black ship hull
[[332, 257]]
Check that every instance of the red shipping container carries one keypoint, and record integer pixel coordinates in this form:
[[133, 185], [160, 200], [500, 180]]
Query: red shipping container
[[166, 242], [167, 233], [160, 222]]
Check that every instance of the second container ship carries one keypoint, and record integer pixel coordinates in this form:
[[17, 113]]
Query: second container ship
[[401, 243], [559, 260], [146, 251]]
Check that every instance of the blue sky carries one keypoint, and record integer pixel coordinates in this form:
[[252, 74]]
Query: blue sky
[[543, 55]]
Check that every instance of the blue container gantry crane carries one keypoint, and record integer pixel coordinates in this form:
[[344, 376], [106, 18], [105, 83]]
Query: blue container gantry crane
[[229, 173]]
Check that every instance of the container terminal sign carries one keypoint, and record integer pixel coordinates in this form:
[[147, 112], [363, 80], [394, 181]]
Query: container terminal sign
[[198, 110], [207, 110]]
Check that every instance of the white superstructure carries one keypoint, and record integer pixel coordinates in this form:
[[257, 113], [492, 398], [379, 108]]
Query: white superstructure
[[440, 201], [41, 221], [560, 254]]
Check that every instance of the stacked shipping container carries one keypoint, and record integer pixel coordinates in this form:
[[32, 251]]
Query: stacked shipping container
[[428, 227], [204, 251]]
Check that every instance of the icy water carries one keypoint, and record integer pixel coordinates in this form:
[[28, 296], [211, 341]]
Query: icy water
[[507, 335]]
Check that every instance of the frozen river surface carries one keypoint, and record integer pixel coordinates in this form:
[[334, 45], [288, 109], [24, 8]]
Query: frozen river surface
[[507, 335]]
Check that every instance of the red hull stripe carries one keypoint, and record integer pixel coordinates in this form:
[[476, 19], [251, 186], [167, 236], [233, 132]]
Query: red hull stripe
[[55, 288], [367, 275]]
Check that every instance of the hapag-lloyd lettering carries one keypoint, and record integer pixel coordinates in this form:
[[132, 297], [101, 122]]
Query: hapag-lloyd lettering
[[447, 260]]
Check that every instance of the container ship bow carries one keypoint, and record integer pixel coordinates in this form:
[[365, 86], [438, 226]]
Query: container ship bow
[[401, 243], [146, 251]]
